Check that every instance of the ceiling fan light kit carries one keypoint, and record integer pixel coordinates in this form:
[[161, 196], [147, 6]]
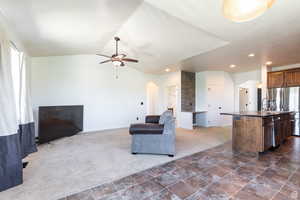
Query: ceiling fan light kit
[[245, 10], [117, 63], [117, 59]]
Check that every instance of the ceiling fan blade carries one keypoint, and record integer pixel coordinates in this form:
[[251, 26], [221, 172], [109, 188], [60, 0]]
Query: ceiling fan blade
[[130, 60], [106, 61], [103, 55]]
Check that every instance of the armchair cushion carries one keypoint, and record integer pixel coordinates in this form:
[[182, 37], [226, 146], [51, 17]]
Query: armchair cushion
[[148, 128], [152, 119]]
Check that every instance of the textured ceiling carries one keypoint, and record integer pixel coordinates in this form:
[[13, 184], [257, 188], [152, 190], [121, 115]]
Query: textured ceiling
[[191, 34]]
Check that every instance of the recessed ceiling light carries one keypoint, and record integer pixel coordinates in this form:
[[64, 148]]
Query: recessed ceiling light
[[269, 63], [232, 66], [251, 55], [167, 70]]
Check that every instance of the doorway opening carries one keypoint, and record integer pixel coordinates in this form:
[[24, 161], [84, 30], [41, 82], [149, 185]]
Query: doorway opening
[[152, 98], [243, 99], [172, 99]]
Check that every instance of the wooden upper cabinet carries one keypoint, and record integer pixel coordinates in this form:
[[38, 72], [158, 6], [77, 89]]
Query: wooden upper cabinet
[[292, 78], [276, 79], [285, 78], [289, 78]]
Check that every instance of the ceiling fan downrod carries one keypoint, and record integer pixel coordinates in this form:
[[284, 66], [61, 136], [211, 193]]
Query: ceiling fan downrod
[[117, 45]]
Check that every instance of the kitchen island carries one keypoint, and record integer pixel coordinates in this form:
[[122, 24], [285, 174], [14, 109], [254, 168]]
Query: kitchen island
[[255, 132]]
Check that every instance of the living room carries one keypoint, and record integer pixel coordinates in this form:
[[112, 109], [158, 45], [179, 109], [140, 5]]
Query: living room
[[143, 99]]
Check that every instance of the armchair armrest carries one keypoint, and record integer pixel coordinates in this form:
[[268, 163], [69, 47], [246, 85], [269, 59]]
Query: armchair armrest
[[154, 119], [169, 126]]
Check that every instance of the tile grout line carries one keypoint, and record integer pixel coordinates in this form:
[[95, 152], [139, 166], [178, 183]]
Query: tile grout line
[[214, 157], [292, 174], [223, 161], [279, 191], [248, 183]]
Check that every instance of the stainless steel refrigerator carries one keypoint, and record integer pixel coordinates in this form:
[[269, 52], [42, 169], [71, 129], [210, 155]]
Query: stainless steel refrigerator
[[285, 99]]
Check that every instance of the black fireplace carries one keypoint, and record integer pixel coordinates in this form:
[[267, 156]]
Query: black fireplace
[[59, 121]]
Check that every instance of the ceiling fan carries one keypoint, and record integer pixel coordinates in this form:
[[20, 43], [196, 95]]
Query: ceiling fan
[[117, 59]]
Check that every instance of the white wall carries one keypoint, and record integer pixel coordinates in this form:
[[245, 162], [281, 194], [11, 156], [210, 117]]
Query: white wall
[[108, 102], [213, 79], [246, 80], [71, 80], [252, 94], [115, 103], [201, 91], [264, 79], [165, 81]]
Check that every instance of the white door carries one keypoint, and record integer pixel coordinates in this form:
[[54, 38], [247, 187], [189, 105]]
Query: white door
[[214, 105]]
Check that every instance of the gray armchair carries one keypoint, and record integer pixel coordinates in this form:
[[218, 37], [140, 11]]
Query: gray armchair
[[156, 136]]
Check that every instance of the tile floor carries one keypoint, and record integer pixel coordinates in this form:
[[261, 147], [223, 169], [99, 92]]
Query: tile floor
[[94, 158], [216, 173]]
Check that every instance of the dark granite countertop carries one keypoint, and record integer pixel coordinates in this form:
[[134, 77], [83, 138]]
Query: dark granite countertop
[[257, 113]]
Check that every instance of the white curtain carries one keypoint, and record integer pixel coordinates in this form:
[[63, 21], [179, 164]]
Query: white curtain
[[24, 108], [10, 148], [17, 133], [8, 114]]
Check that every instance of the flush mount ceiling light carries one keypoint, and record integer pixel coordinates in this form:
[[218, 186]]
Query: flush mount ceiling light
[[245, 10], [167, 70], [251, 55], [269, 63]]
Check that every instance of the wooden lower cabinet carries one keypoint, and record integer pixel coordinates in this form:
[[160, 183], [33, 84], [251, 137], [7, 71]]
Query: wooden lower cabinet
[[287, 130], [246, 134], [278, 124], [283, 128], [255, 134], [267, 132]]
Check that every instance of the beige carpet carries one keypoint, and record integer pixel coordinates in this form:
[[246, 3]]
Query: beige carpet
[[73, 164]]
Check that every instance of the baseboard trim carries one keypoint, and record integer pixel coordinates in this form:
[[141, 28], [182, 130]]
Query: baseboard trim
[[101, 130]]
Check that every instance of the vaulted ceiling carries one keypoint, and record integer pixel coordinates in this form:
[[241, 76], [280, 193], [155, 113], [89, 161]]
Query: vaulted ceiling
[[192, 34]]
